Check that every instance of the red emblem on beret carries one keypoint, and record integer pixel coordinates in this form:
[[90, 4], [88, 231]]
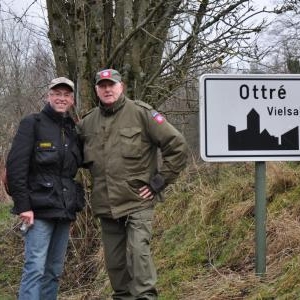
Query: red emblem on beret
[[105, 74]]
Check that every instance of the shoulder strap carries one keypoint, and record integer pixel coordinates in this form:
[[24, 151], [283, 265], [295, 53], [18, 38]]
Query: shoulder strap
[[143, 104]]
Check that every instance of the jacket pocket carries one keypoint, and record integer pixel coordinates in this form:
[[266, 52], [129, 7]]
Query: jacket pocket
[[131, 142], [43, 195], [46, 153]]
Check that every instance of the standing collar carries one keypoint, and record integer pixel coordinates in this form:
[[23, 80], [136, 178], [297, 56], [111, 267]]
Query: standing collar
[[54, 115], [109, 110]]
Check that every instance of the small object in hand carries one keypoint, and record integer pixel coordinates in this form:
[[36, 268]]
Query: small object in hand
[[24, 227]]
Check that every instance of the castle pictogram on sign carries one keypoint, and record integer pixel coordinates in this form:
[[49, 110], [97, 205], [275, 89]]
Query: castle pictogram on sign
[[252, 139]]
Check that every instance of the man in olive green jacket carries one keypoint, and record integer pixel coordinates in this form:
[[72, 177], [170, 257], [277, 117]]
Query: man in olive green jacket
[[121, 140]]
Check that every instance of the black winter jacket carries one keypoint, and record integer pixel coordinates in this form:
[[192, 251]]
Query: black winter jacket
[[42, 164]]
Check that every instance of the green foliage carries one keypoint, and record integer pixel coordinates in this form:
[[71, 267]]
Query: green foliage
[[10, 252], [5, 214]]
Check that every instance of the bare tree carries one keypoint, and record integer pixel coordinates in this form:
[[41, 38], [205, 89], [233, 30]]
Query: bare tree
[[281, 52], [157, 44], [25, 68]]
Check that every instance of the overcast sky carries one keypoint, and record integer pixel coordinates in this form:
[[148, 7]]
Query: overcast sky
[[37, 7], [36, 12]]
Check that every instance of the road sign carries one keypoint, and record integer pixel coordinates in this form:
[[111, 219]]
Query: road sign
[[250, 117]]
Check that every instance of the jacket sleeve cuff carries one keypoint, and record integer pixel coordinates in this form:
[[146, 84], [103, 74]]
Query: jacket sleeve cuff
[[157, 183], [20, 206]]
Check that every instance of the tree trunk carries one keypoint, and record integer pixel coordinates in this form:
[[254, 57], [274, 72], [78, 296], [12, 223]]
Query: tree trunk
[[155, 44]]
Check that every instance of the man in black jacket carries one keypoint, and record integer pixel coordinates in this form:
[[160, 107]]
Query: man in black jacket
[[41, 166]]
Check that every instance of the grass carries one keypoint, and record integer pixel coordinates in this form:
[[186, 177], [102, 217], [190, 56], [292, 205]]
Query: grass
[[10, 253], [203, 240]]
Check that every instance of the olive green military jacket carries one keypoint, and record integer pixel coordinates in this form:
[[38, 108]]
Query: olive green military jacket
[[120, 150]]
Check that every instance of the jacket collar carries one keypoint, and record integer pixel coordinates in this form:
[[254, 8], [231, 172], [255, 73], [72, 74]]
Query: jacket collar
[[56, 116], [110, 110]]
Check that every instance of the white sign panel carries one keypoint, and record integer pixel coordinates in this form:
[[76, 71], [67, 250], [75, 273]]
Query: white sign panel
[[249, 117]]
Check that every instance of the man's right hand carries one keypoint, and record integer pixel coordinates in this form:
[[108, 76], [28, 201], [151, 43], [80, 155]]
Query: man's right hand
[[27, 217]]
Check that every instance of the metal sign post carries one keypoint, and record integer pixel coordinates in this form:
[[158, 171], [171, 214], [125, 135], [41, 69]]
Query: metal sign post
[[260, 218]]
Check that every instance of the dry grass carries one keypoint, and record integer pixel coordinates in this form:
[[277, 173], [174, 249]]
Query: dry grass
[[283, 235], [221, 284], [84, 270], [281, 177], [221, 211], [204, 239]]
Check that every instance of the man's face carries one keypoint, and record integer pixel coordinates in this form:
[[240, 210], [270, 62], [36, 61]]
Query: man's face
[[109, 91], [61, 98]]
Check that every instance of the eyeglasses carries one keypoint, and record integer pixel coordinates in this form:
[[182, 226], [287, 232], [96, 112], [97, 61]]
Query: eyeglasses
[[58, 94]]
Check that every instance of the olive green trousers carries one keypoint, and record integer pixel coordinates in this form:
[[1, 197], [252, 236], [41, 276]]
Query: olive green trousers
[[127, 255]]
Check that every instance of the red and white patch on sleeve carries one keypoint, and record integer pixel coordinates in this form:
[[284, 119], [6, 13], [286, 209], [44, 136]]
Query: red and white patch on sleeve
[[158, 117]]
